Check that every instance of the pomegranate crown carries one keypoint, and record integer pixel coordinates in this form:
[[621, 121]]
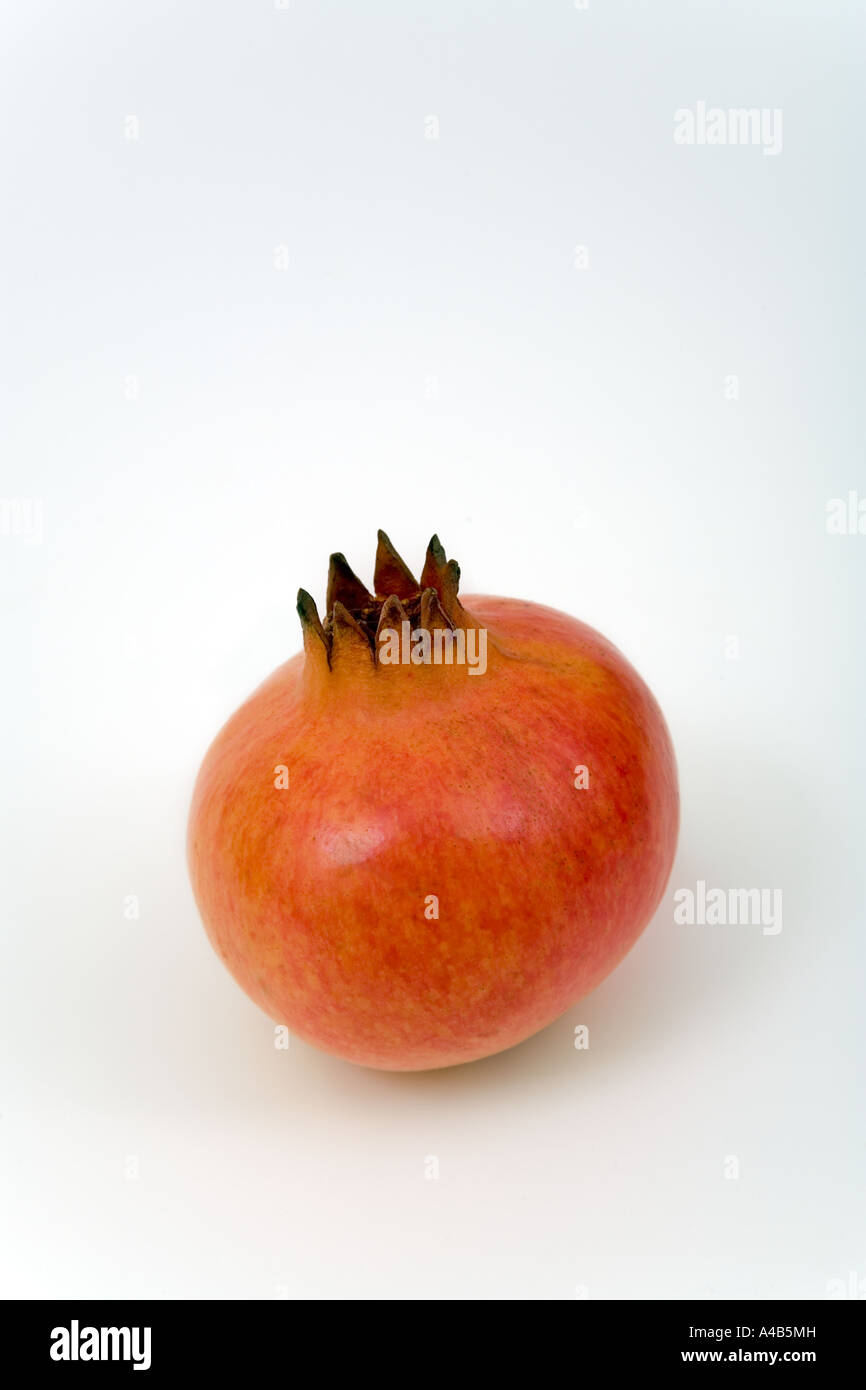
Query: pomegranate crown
[[355, 617]]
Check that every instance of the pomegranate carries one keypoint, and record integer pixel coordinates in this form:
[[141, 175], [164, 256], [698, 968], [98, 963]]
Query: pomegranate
[[427, 835]]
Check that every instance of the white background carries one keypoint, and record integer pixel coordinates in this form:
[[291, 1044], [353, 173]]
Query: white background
[[201, 427]]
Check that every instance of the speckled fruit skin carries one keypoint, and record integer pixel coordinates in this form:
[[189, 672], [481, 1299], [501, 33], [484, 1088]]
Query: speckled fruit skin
[[411, 782]]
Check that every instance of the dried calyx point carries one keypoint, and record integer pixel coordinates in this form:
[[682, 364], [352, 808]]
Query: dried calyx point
[[355, 617]]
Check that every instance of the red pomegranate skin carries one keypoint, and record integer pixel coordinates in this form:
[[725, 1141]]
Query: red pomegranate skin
[[414, 790]]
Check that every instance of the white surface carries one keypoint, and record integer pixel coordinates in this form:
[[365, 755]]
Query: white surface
[[430, 359]]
